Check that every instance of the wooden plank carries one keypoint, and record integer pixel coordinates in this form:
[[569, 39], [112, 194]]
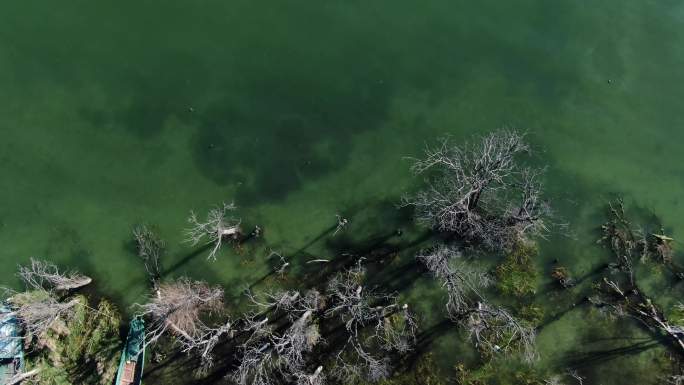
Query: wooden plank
[[128, 373]]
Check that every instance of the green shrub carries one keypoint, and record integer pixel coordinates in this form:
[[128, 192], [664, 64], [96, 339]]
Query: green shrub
[[85, 351], [517, 274]]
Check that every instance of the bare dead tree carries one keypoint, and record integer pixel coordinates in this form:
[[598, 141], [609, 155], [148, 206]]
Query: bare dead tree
[[554, 380], [150, 249], [292, 303], [364, 355], [619, 235], [396, 330], [480, 191], [176, 307], [494, 330], [269, 357], [635, 304], [299, 339], [315, 378], [258, 365], [204, 342], [621, 294], [365, 367], [218, 225], [460, 280], [42, 275], [39, 310]]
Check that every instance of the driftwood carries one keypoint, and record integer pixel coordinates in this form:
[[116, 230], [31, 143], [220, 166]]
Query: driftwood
[[41, 305], [217, 226], [19, 377], [626, 298], [44, 275], [634, 303]]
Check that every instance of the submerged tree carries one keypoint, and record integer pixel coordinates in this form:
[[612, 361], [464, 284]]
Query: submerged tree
[[620, 292], [180, 308], [282, 337], [481, 192], [40, 307], [365, 354], [42, 275], [150, 249], [493, 329], [177, 307], [268, 357], [461, 281], [218, 225]]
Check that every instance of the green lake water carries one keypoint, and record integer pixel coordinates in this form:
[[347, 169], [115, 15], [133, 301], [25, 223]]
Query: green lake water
[[114, 113]]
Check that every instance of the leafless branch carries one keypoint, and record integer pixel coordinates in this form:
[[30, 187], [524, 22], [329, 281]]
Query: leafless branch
[[574, 374], [480, 192], [284, 264], [38, 310], [177, 306], [150, 249], [341, 224], [315, 378], [494, 330], [258, 365], [42, 275], [460, 280], [363, 357], [204, 341], [218, 226]]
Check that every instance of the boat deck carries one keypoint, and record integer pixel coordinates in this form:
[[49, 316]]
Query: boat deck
[[128, 376]]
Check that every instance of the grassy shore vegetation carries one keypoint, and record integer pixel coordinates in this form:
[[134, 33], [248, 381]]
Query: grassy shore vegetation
[[502, 372], [518, 275], [83, 349]]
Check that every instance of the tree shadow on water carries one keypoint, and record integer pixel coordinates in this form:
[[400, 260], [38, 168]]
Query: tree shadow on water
[[600, 356], [186, 259]]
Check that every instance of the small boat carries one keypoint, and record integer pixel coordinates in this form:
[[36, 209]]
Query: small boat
[[11, 346], [133, 355]]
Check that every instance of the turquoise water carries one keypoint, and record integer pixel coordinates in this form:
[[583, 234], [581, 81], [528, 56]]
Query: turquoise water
[[119, 113]]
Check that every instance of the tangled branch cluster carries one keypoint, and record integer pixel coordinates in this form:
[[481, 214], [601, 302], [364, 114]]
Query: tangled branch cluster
[[493, 329], [394, 327], [177, 306], [42, 275], [268, 357], [459, 279], [39, 307], [218, 226], [620, 294], [480, 192], [150, 249]]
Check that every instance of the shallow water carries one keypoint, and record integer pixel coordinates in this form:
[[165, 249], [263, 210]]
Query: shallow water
[[118, 113]]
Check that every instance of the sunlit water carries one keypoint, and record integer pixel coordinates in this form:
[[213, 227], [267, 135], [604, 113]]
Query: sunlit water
[[114, 113]]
